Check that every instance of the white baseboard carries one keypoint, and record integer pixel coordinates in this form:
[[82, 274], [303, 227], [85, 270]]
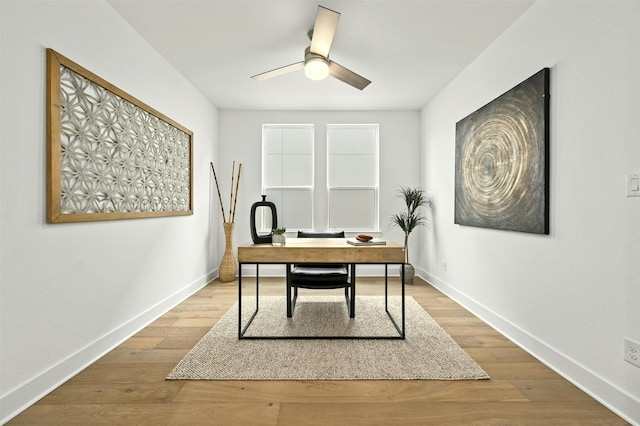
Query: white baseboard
[[17, 400], [608, 394], [22, 397]]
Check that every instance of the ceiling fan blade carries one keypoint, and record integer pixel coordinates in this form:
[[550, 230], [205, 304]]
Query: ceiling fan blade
[[278, 71], [323, 30], [347, 76]]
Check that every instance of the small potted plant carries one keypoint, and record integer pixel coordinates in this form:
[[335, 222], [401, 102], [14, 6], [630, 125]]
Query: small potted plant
[[278, 236], [408, 219]]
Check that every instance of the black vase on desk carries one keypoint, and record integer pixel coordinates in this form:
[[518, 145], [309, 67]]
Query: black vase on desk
[[261, 211]]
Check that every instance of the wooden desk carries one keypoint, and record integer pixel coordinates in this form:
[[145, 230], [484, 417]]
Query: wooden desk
[[320, 250]]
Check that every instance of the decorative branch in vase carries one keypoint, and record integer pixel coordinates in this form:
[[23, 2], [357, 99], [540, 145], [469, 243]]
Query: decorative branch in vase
[[408, 219], [228, 265]]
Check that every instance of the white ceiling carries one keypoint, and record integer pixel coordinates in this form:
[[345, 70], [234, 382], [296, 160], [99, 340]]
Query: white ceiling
[[410, 50]]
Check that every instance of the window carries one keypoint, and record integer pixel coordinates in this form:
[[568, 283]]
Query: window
[[350, 202], [287, 173], [352, 176]]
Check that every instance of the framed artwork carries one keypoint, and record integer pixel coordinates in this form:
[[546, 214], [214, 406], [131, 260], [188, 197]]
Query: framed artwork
[[110, 156], [502, 161]]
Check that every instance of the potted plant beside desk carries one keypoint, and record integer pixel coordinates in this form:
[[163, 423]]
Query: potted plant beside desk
[[408, 219], [278, 236]]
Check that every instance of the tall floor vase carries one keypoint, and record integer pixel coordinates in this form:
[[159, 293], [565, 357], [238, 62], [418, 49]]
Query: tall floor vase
[[228, 266]]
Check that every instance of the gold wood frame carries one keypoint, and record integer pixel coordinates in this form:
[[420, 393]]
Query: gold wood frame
[[109, 155]]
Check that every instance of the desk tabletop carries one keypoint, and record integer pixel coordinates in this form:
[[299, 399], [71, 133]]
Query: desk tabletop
[[319, 250]]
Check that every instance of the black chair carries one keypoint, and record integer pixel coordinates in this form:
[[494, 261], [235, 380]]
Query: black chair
[[320, 276]]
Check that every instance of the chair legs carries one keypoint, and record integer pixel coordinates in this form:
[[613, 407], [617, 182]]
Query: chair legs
[[349, 295]]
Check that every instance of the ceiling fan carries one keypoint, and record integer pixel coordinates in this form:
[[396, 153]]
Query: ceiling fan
[[316, 64]]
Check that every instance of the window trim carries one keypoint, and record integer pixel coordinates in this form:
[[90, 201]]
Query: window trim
[[376, 188], [311, 187]]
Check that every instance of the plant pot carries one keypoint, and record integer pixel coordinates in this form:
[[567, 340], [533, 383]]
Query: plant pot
[[279, 239], [409, 273]]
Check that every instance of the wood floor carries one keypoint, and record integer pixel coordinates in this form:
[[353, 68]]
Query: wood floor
[[127, 385]]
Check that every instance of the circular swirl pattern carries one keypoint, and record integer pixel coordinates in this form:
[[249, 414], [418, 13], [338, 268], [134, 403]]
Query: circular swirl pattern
[[500, 154]]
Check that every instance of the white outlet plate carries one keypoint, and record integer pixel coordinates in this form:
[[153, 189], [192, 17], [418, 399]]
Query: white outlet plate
[[632, 352], [633, 185]]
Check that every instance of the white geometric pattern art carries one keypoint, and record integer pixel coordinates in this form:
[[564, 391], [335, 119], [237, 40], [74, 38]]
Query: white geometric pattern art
[[116, 156]]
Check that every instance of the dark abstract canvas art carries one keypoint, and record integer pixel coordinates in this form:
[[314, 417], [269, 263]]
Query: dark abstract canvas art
[[502, 161]]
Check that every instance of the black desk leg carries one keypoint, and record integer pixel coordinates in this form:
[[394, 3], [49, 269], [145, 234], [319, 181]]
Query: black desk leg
[[399, 328], [289, 301], [352, 302], [239, 301], [242, 331], [386, 287], [257, 286], [403, 306]]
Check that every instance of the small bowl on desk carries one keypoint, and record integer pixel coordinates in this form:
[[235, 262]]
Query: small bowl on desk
[[364, 238]]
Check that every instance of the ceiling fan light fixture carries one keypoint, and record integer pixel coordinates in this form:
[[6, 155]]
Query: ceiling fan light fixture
[[316, 68], [316, 63]]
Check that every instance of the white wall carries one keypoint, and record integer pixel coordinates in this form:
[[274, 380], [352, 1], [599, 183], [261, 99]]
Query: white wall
[[70, 292], [572, 296], [241, 140]]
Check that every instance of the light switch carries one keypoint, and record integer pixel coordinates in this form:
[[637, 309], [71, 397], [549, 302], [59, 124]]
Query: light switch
[[633, 185]]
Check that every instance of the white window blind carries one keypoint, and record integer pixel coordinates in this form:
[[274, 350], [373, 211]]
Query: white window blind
[[352, 176], [287, 172]]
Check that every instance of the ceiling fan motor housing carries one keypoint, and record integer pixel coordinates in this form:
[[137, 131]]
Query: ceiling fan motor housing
[[316, 67], [316, 64]]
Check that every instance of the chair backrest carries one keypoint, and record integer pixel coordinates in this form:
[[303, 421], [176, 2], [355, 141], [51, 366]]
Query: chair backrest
[[305, 234], [337, 234]]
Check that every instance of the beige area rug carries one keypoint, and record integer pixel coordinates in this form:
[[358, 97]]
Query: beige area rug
[[427, 353]]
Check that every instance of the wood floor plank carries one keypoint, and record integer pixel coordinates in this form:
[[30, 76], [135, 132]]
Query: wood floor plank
[[179, 342], [357, 391], [483, 341], [160, 391], [510, 354], [151, 414], [127, 386], [141, 343], [171, 331], [196, 322], [132, 373], [518, 370], [446, 413], [163, 322], [205, 312], [471, 330], [143, 356], [550, 390]]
